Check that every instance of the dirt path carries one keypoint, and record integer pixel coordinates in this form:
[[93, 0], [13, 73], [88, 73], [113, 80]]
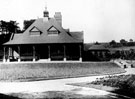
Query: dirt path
[[54, 85], [42, 86]]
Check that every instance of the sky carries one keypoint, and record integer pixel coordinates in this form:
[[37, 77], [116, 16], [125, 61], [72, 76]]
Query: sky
[[100, 20]]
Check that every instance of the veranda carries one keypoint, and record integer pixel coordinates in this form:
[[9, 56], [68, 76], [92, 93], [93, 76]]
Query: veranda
[[46, 52]]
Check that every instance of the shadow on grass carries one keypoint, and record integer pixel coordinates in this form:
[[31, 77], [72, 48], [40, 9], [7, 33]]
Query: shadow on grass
[[58, 95], [3, 96], [125, 93]]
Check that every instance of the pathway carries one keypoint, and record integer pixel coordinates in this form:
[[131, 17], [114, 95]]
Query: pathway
[[54, 85]]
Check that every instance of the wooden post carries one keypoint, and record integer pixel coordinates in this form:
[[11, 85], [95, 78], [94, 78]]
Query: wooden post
[[19, 58], [49, 55], [34, 59], [64, 53], [4, 56], [80, 53]]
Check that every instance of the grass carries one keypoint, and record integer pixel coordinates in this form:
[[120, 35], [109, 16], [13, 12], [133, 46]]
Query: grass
[[42, 71], [122, 84], [3, 96], [56, 95]]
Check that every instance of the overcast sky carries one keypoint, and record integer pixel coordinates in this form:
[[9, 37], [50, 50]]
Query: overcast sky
[[101, 20]]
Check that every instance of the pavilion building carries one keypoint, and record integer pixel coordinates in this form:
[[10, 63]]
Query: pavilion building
[[45, 39]]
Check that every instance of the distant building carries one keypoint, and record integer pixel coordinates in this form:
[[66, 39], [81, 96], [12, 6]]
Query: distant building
[[45, 39], [96, 52]]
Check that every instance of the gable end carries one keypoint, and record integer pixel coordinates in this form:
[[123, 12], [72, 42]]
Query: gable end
[[35, 31], [53, 31]]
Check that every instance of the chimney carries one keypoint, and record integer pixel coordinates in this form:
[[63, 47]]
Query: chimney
[[58, 17]]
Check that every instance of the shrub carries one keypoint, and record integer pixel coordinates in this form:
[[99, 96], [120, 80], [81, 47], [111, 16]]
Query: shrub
[[124, 83]]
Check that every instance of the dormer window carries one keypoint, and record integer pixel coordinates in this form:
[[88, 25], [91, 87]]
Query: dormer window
[[53, 31], [35, 31]]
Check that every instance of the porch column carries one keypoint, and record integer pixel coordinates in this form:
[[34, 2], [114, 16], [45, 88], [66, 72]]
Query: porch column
[[4, 56], [49, 56], [34, 58], [80, 59], [8, 60], [103, 53], [19, 58], [64, 53]]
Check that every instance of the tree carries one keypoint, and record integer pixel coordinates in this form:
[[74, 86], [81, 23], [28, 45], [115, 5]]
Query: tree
[[9, 27], [13, 27], [3, 27], [113, 43], [6, 29], [123, 42], [27, 23], [131, 43], [97, 43], [130, 40]]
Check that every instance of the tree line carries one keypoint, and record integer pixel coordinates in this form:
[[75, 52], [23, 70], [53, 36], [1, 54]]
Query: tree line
[[122, 43], [7, 28]]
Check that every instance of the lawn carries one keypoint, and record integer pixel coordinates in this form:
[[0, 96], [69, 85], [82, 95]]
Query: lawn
[[56, 95], [124, 85], [45, 71]]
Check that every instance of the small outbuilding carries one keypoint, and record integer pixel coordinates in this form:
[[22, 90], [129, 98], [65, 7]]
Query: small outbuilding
[[97, 52]]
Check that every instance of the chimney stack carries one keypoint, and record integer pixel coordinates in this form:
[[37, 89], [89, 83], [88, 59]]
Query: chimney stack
[[58, 17]]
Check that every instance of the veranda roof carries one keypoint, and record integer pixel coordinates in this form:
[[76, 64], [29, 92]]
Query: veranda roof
[[62, 37], [127, 48], [98, 47]]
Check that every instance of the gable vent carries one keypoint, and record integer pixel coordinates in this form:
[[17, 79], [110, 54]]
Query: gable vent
[[35, 31], [53, 31]]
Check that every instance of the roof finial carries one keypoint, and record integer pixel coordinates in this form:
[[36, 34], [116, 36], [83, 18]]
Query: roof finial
[[46, 13], [45, 6]]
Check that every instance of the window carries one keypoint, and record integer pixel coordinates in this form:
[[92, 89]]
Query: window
[[35, 31], [53, 31]]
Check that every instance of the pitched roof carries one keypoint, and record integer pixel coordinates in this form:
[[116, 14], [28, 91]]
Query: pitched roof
[[97, 47], [15, 36], [40, 25], [77, 35], [123, 48]]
